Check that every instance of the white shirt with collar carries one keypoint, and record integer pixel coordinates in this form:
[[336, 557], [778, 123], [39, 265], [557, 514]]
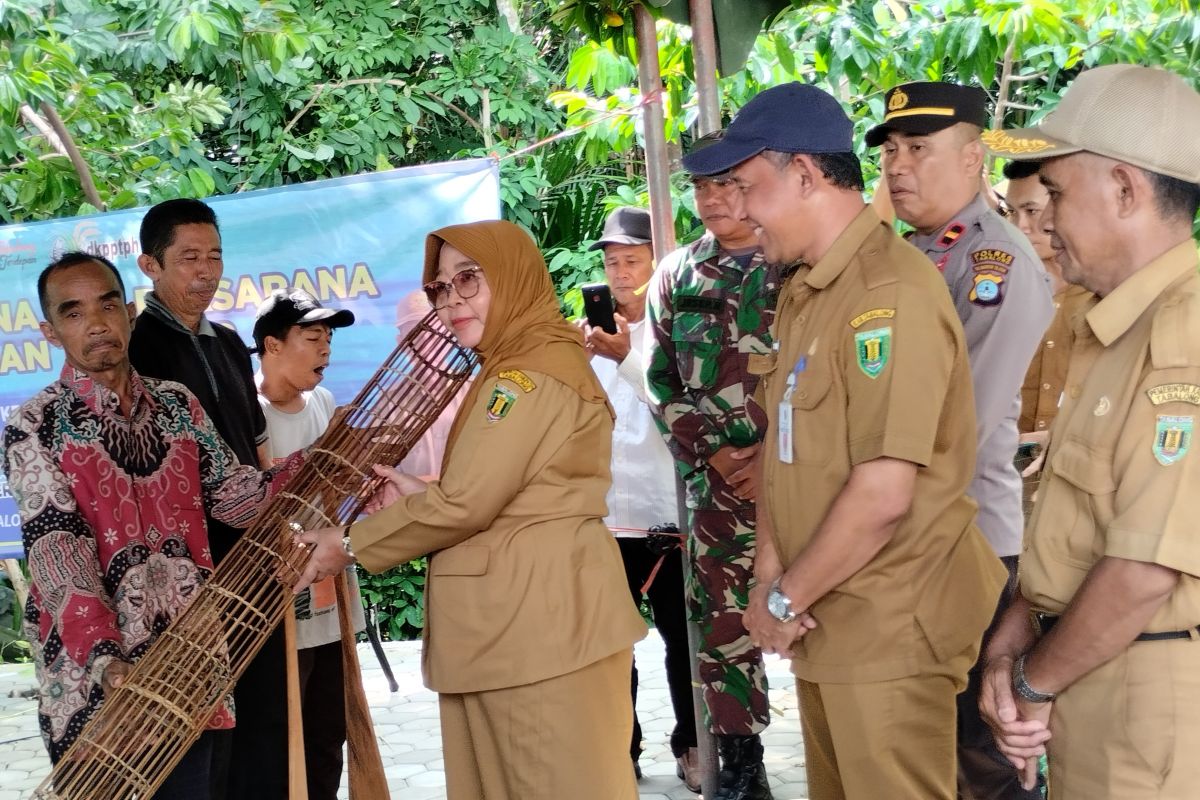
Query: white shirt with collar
[[643, 471]]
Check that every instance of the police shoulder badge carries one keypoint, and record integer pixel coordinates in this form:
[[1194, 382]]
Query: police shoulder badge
[[873, 349], [1172, 438], [987, 288], [501, 402], [519, 378]]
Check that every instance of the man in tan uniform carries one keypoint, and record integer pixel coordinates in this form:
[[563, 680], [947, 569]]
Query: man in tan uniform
[[1047, 374], [1111, 563], [871, 572]]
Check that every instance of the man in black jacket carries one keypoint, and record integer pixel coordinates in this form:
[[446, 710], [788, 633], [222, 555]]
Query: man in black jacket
[[174, 340]]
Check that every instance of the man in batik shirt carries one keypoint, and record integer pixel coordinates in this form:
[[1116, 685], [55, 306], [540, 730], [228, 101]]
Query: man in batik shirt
[[711, 306], [113, 475]]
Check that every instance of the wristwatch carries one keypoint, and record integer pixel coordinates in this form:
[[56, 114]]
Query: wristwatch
[[1022, 687], [779, 604], [346, 543]]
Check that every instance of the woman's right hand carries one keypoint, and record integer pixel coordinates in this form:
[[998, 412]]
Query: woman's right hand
[[397, 485]]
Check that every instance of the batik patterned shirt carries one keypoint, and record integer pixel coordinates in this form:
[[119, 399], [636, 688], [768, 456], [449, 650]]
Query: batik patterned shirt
[[113, 523]]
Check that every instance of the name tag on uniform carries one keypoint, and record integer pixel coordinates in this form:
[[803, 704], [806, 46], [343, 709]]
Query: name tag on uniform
[[785, 430], [785, 412]]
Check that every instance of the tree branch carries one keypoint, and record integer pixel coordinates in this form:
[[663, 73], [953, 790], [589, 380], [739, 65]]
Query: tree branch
[[81, 167], [43, 128]]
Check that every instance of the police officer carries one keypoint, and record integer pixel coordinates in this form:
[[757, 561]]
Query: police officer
[[1111, 565], [870, 571], [932, 159], [711, 307]]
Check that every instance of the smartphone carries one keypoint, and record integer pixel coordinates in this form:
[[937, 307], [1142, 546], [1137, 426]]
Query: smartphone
[[598, 306]]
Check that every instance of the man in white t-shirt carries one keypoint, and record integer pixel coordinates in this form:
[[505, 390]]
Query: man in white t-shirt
[[643, 493], [293, 334]]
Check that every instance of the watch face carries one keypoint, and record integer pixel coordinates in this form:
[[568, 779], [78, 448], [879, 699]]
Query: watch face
[[778, 605]]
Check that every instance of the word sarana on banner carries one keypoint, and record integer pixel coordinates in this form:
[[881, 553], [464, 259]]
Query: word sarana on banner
[[356, 243]]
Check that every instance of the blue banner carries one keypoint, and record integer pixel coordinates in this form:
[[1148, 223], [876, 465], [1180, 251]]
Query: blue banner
[[355, 243]]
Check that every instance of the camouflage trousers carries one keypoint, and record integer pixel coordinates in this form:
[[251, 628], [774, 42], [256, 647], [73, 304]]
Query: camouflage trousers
[[734, 681]]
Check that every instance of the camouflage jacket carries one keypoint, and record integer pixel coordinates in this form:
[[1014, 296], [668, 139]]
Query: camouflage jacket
[[706, 316]]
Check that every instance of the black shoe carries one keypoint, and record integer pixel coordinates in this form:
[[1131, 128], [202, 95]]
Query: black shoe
[[743, 776]]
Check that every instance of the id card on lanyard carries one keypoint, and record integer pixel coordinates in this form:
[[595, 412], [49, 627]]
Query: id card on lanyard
[[785, 411]]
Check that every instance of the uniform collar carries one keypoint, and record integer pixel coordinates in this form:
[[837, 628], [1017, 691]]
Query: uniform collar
[[1115, 314], [952, 232], [98, 397], [156, 308], [705, 247], [830, 265]]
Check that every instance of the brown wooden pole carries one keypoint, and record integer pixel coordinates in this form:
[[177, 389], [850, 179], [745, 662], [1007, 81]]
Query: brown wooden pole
[[704, 57], [658, 168]]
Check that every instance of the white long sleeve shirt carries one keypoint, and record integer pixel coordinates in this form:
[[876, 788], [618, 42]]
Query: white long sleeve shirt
[[643, 487]]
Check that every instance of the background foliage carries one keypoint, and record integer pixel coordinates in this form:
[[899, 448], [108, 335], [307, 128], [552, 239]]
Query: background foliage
[[165, 98]]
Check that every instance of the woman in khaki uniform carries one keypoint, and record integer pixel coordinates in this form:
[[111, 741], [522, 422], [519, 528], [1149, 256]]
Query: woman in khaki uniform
[[529, 622]]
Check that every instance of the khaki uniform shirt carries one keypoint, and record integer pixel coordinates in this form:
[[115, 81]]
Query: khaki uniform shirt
[[1002, 295], [1122, 480], [884, 374], [525, 581], [1047, 373]]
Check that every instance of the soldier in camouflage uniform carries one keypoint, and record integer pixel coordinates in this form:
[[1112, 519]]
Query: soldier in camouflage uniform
[[711, 305]]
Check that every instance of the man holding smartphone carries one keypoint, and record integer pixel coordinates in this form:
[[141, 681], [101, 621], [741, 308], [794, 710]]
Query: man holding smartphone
[[642, 496], [711, 307]]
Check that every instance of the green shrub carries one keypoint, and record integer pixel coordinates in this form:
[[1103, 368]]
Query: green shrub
[[397, 598], [13, 647]]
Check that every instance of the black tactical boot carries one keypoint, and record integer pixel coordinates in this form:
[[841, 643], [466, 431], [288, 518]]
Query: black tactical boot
[[743, 776]]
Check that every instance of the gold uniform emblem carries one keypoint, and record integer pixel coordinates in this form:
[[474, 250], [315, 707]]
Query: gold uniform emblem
[[898, 100], [519, 378]]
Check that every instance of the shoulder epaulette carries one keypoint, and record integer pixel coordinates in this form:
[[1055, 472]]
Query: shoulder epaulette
[[1175, 331]]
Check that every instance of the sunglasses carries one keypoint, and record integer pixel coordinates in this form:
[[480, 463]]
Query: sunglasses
[[465, 283]]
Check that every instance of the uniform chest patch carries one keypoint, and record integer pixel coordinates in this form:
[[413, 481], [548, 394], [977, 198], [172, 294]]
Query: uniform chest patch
[[702, 305], [519, 378], [501, 402], [872, 350], [1175, 393], [1172, 438], [987, 288], [951, 234], [874, 313]]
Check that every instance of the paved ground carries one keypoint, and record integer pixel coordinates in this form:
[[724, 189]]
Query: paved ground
[[406, 723]]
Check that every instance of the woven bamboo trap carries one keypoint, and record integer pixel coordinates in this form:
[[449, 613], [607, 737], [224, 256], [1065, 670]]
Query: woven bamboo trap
[[145, 726]]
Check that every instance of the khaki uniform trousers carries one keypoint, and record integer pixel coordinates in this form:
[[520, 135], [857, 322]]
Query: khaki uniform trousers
[[564, 737], [1130, 730], [891, 739]]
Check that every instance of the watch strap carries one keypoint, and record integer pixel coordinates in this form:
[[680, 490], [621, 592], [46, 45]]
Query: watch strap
[[1021, 685]]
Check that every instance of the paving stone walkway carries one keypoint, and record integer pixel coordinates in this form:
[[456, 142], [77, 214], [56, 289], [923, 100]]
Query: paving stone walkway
[[406, 723]]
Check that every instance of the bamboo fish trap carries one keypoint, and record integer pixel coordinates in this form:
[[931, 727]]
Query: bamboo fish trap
[[145, 726]]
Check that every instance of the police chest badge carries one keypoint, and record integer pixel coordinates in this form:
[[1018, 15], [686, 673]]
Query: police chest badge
[[1172, 438], [872, 349], [501, 403]]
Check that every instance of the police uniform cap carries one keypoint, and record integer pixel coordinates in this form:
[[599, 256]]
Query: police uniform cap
[[928, 107], [791, 118], [1142, 116]]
